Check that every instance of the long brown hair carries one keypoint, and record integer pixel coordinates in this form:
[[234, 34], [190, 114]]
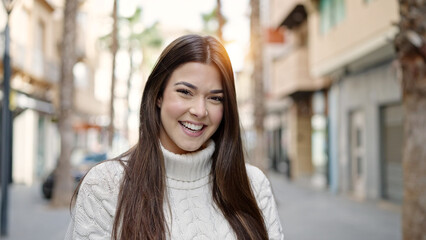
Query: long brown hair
[[140, 213]]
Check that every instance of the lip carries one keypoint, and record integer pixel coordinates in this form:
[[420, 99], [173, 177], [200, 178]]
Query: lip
[[192, 133]]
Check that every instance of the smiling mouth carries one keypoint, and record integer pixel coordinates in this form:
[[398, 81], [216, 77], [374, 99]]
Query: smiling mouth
[[192, 127]]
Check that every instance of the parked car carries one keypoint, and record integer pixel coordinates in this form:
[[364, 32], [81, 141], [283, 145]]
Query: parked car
[[79, 169]]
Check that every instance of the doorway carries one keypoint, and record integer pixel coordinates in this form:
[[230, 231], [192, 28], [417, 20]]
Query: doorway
[[392, 118], [357, 153]]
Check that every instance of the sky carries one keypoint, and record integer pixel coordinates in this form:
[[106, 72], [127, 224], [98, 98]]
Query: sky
[[178, 16], [186, 14]]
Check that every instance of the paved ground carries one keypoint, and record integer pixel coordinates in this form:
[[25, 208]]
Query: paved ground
[[306, 214], [31, 217], [309, 214]]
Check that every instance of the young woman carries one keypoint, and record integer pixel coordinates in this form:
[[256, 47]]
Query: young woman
[[186, 177]]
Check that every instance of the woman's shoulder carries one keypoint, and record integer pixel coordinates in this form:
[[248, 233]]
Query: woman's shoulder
[[254, 173], [107, 172], [96, 201], [257, 178]]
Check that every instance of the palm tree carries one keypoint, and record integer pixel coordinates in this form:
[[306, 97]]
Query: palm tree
[[410, 44], [144, 40], [63, 187], [137, 40], [220, 20], [214, 21], [257, 77], [114, 48]]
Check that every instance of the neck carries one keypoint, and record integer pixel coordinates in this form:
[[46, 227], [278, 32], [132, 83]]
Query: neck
[[190, 168]]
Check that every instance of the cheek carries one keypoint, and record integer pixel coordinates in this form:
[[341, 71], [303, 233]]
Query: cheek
[[173, 108], [217, 115]]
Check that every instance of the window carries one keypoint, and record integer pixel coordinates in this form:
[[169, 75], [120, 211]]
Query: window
[[39, 49], [20, 45], [332, 12], [81, 75]]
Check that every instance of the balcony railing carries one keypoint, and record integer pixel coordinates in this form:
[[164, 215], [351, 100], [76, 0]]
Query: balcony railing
[[291, 73], [38, 66], [281, 9]]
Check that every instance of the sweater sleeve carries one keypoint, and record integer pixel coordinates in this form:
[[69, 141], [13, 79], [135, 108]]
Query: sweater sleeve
[[266, 202], [94, 211]]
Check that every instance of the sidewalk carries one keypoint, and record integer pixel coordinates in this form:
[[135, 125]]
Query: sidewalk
[[310, 214], [31, 217], [306, 214]]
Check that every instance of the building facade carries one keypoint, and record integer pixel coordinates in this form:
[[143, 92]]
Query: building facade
[[298, 131], [35, 36], [351, 90]]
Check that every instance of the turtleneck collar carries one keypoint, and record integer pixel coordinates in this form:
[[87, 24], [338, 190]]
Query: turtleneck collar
[[188, 171]]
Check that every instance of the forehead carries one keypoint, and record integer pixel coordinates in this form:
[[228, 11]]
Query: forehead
[[198, 74]]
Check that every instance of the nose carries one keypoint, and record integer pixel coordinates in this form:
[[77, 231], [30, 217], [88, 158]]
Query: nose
[[199, 109]]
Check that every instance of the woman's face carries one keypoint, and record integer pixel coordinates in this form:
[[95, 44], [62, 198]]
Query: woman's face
[[191, 107]]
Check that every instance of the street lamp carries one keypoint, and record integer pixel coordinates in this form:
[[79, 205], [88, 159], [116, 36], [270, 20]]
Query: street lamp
[[6, 125]]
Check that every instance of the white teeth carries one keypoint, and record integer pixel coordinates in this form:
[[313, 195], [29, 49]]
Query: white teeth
[[191, 126]]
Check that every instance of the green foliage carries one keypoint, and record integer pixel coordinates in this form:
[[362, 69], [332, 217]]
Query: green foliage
[[211, 22], [137, 37], [134, 36], [151, 36]]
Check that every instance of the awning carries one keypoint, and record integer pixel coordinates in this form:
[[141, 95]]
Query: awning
[[295, 17]]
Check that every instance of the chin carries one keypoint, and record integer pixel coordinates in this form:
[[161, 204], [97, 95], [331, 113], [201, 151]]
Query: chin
[[191, 148]]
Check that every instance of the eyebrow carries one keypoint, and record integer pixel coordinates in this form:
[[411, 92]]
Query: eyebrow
[[216, 91], [187, 84], [195, 88]]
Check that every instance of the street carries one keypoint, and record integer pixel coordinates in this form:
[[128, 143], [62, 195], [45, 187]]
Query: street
[[309, 214], [31, 217], [306, 214]]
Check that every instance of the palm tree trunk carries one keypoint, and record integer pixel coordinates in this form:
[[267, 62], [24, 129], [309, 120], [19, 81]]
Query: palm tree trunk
[[63, 187], [220, 20], [129, 84], [411, 48], [114, 49], [257, 58]]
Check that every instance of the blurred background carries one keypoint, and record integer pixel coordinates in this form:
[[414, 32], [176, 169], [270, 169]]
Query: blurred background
[[318, 87]]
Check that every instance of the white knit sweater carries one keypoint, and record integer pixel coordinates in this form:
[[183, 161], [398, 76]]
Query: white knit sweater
[[193, 212]]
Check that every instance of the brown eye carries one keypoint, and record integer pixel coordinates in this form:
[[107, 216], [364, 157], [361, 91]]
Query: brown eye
[[217, 99], [184, 91]]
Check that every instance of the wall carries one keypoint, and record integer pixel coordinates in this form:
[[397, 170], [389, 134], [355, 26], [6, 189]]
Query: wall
[[366, 91], [365, 27], [24, 137], [29, 138], [25, 21]]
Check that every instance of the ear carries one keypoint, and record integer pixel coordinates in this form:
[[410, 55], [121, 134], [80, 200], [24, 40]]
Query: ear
[[159, 102]]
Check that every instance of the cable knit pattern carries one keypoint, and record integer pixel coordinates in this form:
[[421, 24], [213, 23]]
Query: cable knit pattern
[[265, 201], [94, 211], [192, 213]]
